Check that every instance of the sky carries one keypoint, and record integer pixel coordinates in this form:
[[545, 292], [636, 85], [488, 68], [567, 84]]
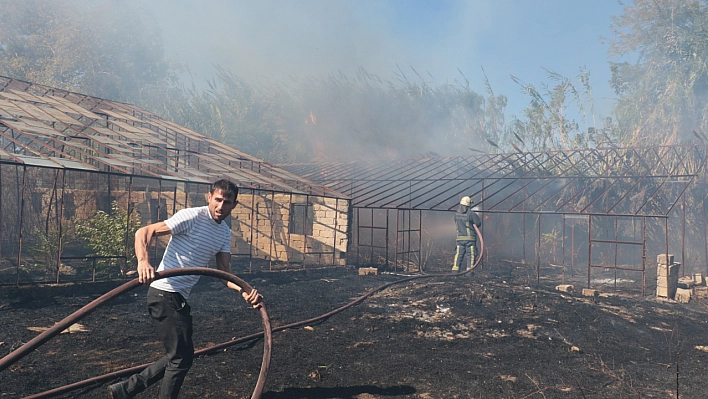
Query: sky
[[437, 38]]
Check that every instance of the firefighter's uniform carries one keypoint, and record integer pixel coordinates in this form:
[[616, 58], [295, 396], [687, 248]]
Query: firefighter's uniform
[[465, 219]]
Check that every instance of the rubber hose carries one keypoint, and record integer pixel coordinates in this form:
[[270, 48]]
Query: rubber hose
[[57, 328], [223, 345]]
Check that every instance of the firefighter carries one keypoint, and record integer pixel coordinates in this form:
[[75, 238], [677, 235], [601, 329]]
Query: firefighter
[[465, 220]]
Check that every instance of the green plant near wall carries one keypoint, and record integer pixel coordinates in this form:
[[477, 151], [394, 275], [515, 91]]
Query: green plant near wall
[[45, 246], [111, 235]]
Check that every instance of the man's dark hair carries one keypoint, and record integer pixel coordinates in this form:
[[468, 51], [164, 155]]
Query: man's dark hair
[[226, 187]]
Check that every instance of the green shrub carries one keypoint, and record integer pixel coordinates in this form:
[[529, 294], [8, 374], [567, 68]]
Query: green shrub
[[111, 235]]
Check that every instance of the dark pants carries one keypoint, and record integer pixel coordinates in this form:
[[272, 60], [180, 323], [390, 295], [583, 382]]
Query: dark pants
[[171, 314], [463, 246]]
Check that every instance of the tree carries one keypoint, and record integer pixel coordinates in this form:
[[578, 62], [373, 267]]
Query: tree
[[102, 48], [548, 122], [661, 75]]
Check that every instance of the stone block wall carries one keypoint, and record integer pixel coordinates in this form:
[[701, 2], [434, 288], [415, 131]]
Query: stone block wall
[[262, 224]]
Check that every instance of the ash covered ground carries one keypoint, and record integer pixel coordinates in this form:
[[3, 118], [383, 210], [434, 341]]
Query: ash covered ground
[[472, 336]]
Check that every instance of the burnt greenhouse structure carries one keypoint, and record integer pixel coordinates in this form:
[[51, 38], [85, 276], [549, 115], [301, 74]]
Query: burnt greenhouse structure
[[596, 218], [79, 174]]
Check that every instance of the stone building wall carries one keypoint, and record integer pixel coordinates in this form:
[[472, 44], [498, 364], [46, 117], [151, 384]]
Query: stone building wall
[[264, 225], [261, 222]]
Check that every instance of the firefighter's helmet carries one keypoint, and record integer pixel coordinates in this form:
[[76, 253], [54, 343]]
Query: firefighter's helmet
[[466, 201]]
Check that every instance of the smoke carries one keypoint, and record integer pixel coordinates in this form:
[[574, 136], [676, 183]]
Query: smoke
[[305, 38], [416, 66]]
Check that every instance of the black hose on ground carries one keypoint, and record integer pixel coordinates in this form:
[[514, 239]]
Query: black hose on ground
[[57, 328], [268, 332]]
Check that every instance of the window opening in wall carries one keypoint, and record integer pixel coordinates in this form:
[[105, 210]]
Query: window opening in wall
[[302, 219]]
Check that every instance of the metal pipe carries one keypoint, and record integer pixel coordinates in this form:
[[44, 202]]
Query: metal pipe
[[128, 218], [589, 247], [1, 213], [272, 230], [334, 239], [538, 253], [563, 250], [254, 214], [683, 234], [21, 216], [644, 254], [60, 223]]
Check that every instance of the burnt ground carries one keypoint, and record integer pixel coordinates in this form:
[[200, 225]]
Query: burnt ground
[[473, 336]]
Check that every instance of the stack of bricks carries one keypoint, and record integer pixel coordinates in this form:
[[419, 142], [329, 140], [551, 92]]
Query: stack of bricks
[[700, 290], [667, 274]]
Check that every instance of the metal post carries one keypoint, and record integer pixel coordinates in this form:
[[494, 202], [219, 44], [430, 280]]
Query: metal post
[[129, 219], [563, 251], [254, 214], [61, 224], [666, 231], [395, 262], [420, 241], [668, 266], [387, 240], [51, 199], [21, 216], [589, 247], [683, 234], [705, 238], [616, 247], [174, 200], [334, 243], [371, 233], [159, 196], [1, 213], [304, 233], [644, 254], [272, 228], [572, 250], [288, 253], [407, 237], [538, 253], [486, 253], [358, 234]]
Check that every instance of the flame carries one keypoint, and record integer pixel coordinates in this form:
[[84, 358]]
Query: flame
[[312, 118]]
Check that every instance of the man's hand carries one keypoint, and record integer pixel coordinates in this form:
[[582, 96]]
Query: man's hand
[[253, 298], [146, 273]]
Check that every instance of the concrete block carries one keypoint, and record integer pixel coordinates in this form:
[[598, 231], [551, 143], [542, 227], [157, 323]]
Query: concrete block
[[698, 279], [589, 292], [673, 269], [700, 292], [683, 295], [366, 271], [685, 282], [663, 292], [664, 259], [569, 288], [667, 280]]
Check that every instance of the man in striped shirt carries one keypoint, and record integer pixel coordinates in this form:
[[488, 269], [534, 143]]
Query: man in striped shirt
[[196, 234]]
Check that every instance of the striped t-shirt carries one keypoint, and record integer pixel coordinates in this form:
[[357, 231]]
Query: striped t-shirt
[[196, 237]]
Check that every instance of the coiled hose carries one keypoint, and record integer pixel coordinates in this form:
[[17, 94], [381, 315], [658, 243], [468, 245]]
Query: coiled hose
[[267, 331]]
